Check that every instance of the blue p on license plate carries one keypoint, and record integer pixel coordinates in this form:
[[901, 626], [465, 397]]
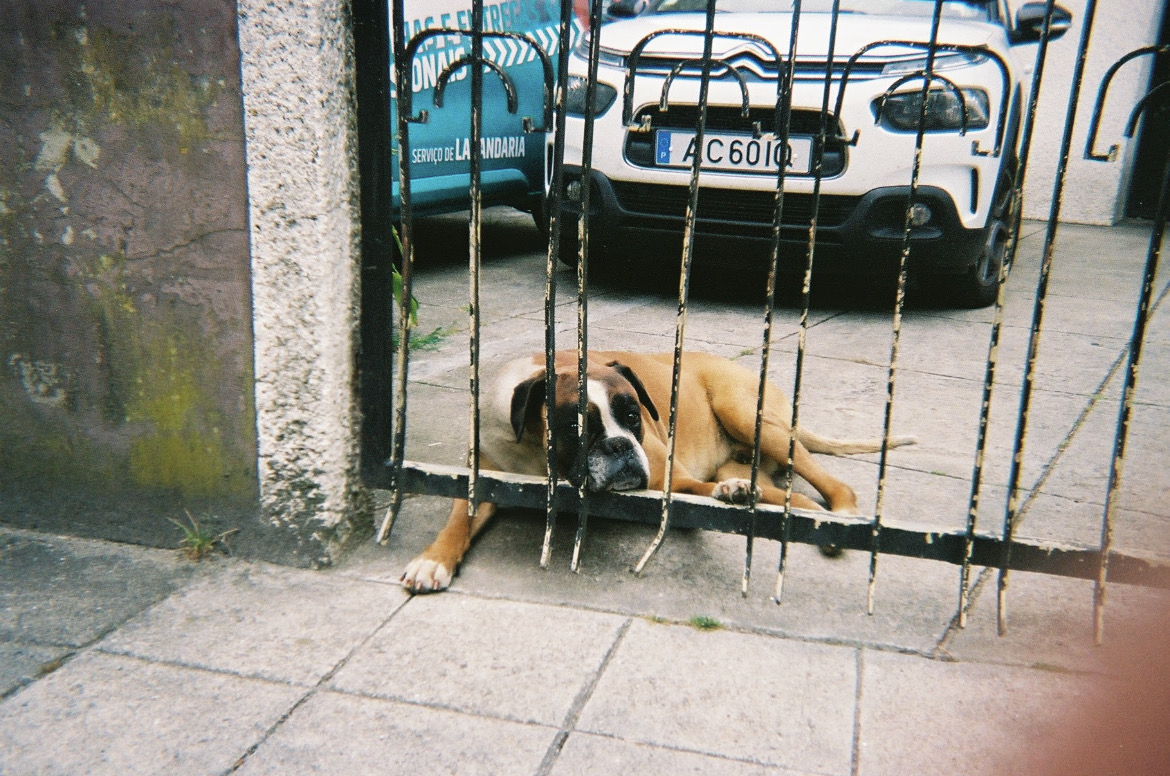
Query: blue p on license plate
[[733, 152]]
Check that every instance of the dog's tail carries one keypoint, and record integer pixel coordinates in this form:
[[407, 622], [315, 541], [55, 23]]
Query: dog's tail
[[819, 444]]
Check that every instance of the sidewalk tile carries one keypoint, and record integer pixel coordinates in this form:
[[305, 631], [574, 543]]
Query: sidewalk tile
[[387, 737], [734, 695], [921, 716], [504, 659], [589, 755], [69, 592], [1050, 624], [21, 663], [106, 714], [256, 620]]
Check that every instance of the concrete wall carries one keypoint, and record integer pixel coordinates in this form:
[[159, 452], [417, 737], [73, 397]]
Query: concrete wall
[[125, 314], [127, 390], [1095, 192]]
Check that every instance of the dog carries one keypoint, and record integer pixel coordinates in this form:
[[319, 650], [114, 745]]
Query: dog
[[627, 439]]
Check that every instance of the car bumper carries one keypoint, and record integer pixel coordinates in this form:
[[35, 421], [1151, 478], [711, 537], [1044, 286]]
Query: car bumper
[[854, 233]]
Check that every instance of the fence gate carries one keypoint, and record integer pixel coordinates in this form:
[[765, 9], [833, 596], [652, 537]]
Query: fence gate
[[976, 545]]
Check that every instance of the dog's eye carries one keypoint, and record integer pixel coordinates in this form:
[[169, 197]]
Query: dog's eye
[[634, 416]]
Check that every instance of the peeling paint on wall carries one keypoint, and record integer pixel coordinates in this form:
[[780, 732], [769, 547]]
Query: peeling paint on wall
[[43, 382]]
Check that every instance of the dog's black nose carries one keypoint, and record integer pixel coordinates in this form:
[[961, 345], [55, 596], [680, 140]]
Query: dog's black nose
[[615, 445]]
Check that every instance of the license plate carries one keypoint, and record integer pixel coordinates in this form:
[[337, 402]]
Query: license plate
[[733, 152]]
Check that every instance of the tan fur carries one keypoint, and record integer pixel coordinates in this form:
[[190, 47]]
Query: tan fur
[[715, 431]]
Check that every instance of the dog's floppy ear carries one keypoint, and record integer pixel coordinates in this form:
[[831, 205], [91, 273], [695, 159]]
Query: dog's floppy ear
[[526, 401], [640, 389]]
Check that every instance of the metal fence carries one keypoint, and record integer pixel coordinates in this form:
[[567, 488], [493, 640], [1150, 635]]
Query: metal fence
[[973, 546]]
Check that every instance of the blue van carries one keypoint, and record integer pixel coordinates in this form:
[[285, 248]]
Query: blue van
[[512, 143]]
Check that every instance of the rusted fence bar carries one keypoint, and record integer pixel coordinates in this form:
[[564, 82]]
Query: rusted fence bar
[[1017, 462], [785, 81], [1141, 318], [552, 212], [807, 527], [818, 162], [1015, 204], [684, 281], [928, 76]]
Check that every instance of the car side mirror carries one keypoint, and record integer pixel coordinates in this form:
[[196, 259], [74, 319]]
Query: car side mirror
[[626, 9], [1030, 23]]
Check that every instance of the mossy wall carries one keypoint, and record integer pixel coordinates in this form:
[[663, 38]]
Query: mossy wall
[[126, 390]]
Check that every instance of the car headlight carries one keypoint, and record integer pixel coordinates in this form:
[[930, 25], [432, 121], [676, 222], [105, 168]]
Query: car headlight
[[575, 97], [944, 110]]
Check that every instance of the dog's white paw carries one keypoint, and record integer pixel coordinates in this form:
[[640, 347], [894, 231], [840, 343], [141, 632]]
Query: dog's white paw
[[735, 491], [425, 576]]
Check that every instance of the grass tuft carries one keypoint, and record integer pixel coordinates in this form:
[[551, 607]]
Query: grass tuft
[[198, 542], [703, 623]]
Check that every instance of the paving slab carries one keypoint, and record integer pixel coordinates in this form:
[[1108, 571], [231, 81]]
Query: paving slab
[[347, 735], [22, 663], [695, 573], [108, 714], [921, 716], [257, 620], [1050, 624], [68, 592], [591, 755], [503, 659], [781, 703]]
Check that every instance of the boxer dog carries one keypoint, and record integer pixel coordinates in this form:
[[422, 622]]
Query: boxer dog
[[628, 398]]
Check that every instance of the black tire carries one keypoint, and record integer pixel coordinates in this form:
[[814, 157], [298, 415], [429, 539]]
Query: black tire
[[979, 285], [539, 216], [602, 263]]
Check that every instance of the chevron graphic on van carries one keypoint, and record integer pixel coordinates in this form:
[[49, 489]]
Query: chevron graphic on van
[[508, 52]]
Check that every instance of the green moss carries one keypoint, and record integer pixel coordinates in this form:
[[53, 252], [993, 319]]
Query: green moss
[[135, 80], [159, 378]]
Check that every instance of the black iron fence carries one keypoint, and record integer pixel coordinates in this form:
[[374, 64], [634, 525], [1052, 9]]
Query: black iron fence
[[974, 546]]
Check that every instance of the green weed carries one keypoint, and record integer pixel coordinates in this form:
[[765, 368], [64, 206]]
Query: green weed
[[198, 542]]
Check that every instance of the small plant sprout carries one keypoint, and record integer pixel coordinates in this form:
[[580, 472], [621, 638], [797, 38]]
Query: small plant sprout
[[704, 623], [198, 542]]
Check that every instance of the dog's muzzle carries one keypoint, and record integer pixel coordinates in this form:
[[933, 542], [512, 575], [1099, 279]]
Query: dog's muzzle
[[616, 463]]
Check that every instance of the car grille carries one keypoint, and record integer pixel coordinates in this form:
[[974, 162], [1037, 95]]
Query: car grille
[[724, 118], [746, 207]]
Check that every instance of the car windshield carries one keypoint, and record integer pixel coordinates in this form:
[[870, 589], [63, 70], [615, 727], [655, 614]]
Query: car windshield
[[956, 9]]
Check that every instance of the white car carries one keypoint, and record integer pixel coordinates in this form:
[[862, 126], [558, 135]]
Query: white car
[[641, 163]]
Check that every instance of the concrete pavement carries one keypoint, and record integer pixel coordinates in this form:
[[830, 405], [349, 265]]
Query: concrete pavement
[[125, 660]]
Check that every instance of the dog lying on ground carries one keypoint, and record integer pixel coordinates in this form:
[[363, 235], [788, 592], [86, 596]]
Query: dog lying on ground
[[628, 397]]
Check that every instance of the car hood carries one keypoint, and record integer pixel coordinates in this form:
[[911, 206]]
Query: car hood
[[853, 32]]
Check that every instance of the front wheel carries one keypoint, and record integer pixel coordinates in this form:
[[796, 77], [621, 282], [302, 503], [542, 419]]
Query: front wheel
[[602, 262], [979, 285]]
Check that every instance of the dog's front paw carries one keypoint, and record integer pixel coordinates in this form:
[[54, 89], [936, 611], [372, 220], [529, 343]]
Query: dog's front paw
[[424, 575], [735, 491]]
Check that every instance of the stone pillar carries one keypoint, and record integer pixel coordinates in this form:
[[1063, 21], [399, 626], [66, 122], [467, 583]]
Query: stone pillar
[[301, 145]]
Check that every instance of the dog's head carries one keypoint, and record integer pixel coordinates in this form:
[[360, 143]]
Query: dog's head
[[614, 458]]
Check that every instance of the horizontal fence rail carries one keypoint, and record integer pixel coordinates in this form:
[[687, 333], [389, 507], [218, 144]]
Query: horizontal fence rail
[[1013, 135]]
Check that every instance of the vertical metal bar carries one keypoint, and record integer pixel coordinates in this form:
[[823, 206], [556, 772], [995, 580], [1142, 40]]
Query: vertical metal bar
[[784, 78], [553, 214], [583, 280], [474, 248], [1131, 376], [1029, 126], [899, 301], [402, 87], [1037, 318], [806, 301], [684, 284]]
